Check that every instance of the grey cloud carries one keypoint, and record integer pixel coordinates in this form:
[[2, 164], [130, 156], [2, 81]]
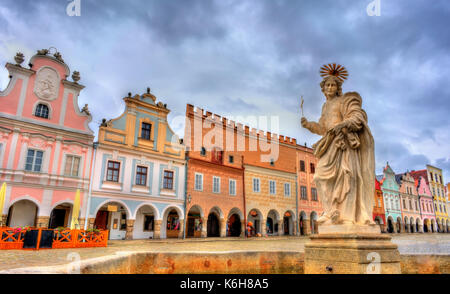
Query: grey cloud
[[256, 57]]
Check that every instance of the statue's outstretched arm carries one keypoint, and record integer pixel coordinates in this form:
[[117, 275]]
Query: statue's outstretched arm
[[315, 128]]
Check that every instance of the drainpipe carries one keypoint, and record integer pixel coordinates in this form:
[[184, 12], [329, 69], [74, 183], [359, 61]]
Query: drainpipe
[[185, 195], [86, 220], [243, 195], [296, 204]]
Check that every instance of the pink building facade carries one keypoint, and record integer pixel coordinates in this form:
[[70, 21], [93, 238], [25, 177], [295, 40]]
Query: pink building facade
[[409, 201], [45, 143], [428, 216]]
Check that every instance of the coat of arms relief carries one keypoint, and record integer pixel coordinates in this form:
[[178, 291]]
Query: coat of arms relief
[[46, 85]]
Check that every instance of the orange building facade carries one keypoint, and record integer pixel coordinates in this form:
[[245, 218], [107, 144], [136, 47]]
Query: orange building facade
[[240, 175], [378, 209], [309, 204]]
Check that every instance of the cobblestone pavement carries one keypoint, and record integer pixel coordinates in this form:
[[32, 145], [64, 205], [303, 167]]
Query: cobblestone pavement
[[9, 259]]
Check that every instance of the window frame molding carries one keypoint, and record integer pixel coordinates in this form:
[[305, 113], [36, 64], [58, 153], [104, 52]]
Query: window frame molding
[[216, 178], [81, 163], [49, 106], [274, 187], [34, 159], [229, 187], [290, 189], [195, 182], [253, 185]]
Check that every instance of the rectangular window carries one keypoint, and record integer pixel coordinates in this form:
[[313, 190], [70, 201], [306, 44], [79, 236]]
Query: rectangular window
[[231, 159], [287, 189], [313, 194], [302, 165], [34, 160], [312, 168], [148, 223], [404, 204], [199, 182], [112, 173], [216, 185], [255, 185], [141, 175], [72, 166], [440, 177], [146, 131], [232, 187], [303, 193], [416, 205], [168, 180], [272, 189]]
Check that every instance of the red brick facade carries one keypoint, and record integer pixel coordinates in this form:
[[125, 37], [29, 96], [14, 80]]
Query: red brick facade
[[218, 147]]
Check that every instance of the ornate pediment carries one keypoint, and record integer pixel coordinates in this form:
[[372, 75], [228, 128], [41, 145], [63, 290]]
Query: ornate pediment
[[46, 85]]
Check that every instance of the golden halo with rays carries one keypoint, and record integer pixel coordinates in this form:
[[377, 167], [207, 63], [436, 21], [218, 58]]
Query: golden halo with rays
[[332, 69]]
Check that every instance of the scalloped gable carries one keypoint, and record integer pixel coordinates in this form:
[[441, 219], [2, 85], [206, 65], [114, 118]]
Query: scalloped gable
[[45, 83], [126, 130]]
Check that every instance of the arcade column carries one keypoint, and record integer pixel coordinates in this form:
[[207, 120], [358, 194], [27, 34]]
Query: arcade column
[[223, 227]]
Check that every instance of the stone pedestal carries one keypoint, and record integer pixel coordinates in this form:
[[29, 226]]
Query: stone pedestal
[[42, 221], [3, 219], [280, 227], [204, 232], [336, 250], [157, 229], [307, 227], [81, 222], [91, 222], [130, 227], [180, 230]]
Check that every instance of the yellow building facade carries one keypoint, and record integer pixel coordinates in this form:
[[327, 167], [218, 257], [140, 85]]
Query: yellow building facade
[[437, 188], [270, 199]]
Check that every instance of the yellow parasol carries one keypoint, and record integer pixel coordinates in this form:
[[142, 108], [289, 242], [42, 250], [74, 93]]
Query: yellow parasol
[[2, 202], [75, 211]]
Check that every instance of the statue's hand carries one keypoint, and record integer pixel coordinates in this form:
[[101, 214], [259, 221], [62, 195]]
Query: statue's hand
[[337, 129], [304, 122]]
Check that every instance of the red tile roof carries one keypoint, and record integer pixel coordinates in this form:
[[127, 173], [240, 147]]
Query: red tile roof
[[377, 185], [420, 173]]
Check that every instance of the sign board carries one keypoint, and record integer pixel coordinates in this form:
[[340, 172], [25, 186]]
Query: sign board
[[112, 208]]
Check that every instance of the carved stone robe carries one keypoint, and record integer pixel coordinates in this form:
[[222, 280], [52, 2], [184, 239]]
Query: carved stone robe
[[346, 168]]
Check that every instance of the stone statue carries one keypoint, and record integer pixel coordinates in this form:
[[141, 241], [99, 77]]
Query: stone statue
[[85, 109], [345, 171]]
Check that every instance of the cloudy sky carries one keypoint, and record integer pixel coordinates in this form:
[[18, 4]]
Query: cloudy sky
[[240, 58]]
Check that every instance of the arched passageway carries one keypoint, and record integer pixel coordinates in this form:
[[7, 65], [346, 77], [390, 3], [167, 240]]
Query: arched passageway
[[234, 225], [213, 226], [144, 226], [272, 226], [254, 221], [194, 222], [60, 216], [390, 225], [112, 216], [22, 213]]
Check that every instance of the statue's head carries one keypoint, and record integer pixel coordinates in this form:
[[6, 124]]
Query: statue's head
[[331, 87]]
